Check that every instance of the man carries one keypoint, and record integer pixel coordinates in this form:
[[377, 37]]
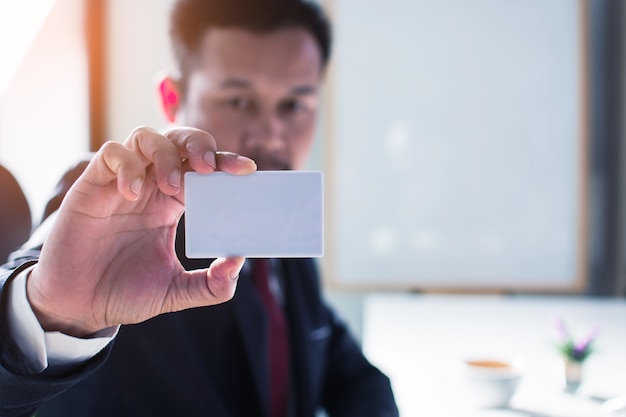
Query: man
[[249, 74]]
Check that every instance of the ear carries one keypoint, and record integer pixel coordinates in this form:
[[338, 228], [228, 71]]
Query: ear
[[169, 92]]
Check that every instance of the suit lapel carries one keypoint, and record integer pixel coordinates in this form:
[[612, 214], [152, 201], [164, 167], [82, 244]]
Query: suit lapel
[[252, 321]]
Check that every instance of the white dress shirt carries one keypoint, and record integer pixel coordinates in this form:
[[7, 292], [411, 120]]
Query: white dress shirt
[[54, 351]]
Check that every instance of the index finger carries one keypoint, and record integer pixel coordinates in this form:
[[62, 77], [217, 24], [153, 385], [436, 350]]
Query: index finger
[[156, 149], [196, 146], [200, 149]]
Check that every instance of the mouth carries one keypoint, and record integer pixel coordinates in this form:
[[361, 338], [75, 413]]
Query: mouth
[[271, 163]]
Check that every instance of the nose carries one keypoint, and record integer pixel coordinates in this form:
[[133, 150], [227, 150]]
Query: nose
[[268, 132]]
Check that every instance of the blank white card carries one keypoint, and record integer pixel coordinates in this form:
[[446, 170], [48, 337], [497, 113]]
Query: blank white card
[[275, 214]]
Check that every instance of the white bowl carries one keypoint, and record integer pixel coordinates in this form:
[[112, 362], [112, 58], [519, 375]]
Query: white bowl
[[492, 382]]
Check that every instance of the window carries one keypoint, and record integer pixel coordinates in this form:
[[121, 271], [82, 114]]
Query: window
[[44, 110]]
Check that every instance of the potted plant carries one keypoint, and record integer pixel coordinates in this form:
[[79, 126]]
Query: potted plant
[[574, 353]]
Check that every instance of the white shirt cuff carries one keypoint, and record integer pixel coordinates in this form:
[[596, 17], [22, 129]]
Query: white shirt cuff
[[53, 350]]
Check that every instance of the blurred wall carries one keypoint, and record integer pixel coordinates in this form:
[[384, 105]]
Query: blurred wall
[[607, 174], [138, 48], [44, 110]]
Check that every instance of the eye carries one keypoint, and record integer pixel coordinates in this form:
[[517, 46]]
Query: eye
[[292, 106], [239, 103]]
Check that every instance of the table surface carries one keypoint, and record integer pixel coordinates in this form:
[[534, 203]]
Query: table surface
[[420, 342]]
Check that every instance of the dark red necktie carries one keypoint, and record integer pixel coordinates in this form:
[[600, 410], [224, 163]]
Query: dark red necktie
[[278, 341]]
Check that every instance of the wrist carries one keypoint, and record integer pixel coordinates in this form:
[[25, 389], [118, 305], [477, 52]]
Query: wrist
[[48, 319]]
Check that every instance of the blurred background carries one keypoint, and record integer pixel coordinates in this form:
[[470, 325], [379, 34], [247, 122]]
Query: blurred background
[[468, 146], [495, 126]]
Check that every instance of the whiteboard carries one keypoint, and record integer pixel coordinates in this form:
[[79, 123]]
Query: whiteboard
[[455, 144]]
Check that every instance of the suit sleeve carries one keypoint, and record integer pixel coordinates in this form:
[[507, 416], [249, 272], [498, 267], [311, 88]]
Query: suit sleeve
[[21, 393]]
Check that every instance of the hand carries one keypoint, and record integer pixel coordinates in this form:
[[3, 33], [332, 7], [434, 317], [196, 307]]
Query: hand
[[110, 257]]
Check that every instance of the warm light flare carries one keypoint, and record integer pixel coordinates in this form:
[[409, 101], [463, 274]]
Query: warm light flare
[[19, 24]]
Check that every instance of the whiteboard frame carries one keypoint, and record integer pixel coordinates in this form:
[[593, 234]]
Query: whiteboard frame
[[576, 285]]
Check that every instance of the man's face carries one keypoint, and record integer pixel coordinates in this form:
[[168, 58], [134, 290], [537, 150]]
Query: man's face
[[257, 94]]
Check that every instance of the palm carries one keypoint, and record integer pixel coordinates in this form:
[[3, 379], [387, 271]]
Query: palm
[[133, 241]]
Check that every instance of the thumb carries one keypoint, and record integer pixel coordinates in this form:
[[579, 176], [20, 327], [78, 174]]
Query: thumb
[[205, 287]]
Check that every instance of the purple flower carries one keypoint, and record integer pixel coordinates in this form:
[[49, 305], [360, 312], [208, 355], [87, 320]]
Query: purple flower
[[574, 351], [585, 343]]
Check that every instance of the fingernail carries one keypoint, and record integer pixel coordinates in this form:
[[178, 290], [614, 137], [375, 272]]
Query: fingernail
[[209, 159], [135, 186], [174, 179], [245, 159], [235, 275]]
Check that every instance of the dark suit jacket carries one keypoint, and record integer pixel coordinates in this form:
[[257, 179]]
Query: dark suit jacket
[[210, 362]]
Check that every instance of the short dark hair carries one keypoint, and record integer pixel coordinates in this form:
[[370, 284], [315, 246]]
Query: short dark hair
[[190, 20]]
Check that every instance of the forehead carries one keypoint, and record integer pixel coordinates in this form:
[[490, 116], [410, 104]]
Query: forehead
[[288, 55]]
